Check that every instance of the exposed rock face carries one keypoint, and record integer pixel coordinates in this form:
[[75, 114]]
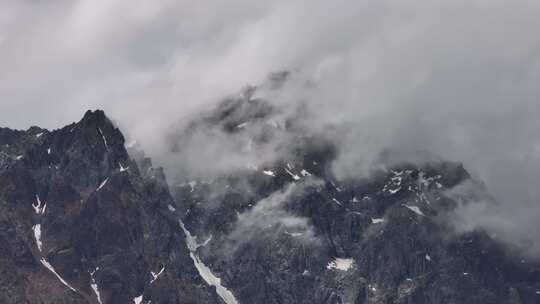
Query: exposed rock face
[[289, 232], [80, 224]]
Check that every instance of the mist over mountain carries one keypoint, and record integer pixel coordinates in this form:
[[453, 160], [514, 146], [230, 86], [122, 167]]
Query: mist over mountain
[[270, 152]]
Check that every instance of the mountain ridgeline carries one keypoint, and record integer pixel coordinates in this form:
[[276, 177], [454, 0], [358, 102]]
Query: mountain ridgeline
[[85, 220]]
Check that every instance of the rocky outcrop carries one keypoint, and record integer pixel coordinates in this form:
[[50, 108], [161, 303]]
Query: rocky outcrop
[[289, 232], [79, 223]]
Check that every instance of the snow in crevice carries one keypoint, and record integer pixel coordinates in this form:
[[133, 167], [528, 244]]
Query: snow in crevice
[[94, 286], [37, 236], [49, 151], [294, 176], [104, 139], [428, 258], [206, 273], [242, 125], [38, 208], [340, 264], [51, 269], [155, 275], [377, 220], [171, 208], [414, 209], [138, 300], [337, 202], [103, 183], [269, 173], [122, 168], [39, 135], [394, 191]]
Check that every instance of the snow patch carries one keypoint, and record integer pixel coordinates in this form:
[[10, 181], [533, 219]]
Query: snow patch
[[269, 173], [377, 220], [95, 286], [414, 209], [38, 208], [104, 139], [394, 191], [137, 300], [122, 169], [19, 157], [51, 269], [206, 273], [337, 202], [340, 264], [242, 125], [428, 258], [49, 151], [39, 135], [171, 208], [103, 183], [37, 236], [155, 276]]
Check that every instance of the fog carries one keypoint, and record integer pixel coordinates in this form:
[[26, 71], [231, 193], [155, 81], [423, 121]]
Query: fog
[[458, 79]]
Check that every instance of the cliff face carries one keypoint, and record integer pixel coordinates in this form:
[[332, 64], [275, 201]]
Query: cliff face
[[289, 232], [80, 224]]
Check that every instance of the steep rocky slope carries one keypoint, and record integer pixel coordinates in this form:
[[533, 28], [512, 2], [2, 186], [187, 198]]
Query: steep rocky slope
[[79, 223], [288, 231], [83, 221]]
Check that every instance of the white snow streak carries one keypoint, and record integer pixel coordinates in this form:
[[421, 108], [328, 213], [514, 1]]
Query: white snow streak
[[95, 286], [103, 184], [205, 272], [122, 169], [414, 209], [51, 268], [155, 276], [377, 220], [340, 264], [269, 173], [37, 236], [104, 139], [38, 208], [137, 300]]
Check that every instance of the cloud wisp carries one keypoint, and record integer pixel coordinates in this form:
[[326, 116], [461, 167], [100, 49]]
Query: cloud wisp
[[458, 79]]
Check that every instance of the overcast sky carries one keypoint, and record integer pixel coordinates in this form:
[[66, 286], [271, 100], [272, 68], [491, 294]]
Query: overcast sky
[[457, 78]]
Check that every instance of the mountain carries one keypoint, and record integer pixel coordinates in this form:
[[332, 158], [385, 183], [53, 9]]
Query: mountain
[[288, 231], [83, 220], [79, 222]]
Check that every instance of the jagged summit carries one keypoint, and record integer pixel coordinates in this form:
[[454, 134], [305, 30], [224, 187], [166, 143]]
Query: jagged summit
[[80, 224]]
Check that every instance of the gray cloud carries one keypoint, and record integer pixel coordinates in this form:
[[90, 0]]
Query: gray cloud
[[456, 78], [269, 217]]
